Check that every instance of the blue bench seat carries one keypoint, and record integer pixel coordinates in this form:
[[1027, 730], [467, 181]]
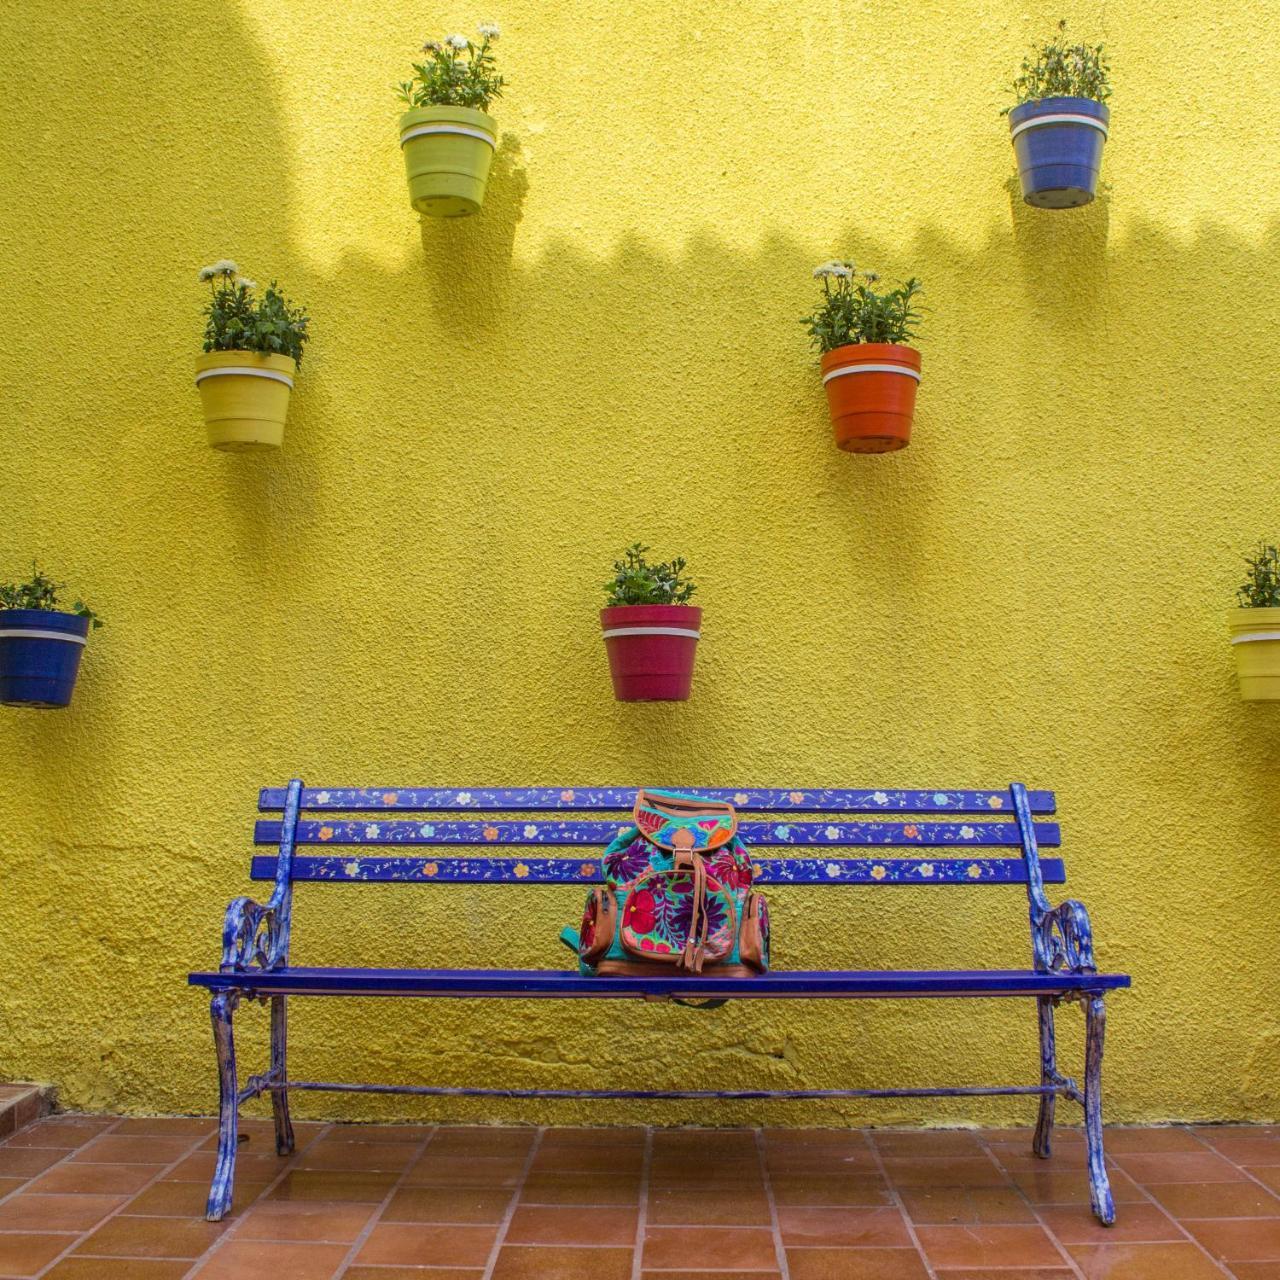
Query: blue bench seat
[[967, 838], [559, 984]]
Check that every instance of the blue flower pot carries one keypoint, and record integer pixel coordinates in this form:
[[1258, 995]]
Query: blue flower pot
[[1058, 145], [39, 656]]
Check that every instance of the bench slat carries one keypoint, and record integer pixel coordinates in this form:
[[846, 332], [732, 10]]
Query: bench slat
[[600, 833], [340, 869], [588, 799], [566, 984]]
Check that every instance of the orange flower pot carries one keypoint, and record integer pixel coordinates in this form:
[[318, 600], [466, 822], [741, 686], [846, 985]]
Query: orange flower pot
[[871, 391]]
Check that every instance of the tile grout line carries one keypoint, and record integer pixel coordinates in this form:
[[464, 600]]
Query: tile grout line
[[779, 1249], [117, 1212], [505, 1225], [266, 1191], [375, 1218], [642, 1217], [1063, 1252], [67, 1152], [1217, 1262], [896, 1199]]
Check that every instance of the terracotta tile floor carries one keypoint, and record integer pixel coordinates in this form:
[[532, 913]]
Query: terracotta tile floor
[[96, 1198]]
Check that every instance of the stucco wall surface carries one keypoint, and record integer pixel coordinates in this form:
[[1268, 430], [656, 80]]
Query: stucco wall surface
[[491, 409]]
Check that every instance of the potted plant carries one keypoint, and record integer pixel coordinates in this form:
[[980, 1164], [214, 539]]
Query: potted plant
[[1255, 628], [447, 138], [253, 347], [1059, 122], [40, 644], [869, 374], [650, 629]]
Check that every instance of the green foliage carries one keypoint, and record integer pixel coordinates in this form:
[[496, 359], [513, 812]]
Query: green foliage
[[1062, 70], [1262, 589], [39, 592], [455, 73], [637, 582], [852, 310], [236, 320]]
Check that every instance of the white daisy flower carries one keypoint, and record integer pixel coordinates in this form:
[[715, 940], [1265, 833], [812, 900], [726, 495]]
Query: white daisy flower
[[489, 30], [225, 267], [530, 831], [833, 833], [832, 869], [456, 41], [322, 797], [967, 832], [372, 831], [879, 797]]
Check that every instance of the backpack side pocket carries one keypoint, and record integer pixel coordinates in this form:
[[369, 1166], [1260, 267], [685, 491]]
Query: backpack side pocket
[[753, 937], [599, 924]]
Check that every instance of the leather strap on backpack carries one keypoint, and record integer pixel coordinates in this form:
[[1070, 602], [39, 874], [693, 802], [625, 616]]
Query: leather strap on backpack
[[689, 859]]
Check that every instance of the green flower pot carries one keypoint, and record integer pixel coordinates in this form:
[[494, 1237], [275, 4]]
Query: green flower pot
[[447, 153]]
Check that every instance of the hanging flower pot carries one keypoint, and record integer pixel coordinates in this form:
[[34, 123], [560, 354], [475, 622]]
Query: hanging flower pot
[[1255, 640], [871, 392], [1058, 145], [650, 633], [869, 373], [447, 152], [245, 398], [252, 348], [1060, 122], [446, 136], [1255, 628], [40, 645]]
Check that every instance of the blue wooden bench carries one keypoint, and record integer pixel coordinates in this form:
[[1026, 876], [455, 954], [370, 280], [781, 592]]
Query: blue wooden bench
[[965, 837]]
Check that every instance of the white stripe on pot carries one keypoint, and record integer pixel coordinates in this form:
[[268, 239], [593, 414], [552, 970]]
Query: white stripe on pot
[[651, 631], [870, 368], [418, 130], [1244, 639], [1065, 117], [33, 633], [227, 370]]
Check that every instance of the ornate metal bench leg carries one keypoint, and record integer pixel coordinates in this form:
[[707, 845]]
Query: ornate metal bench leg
[[280, 1096], [221, 1009], [1041, 1143], [1099, 1186]]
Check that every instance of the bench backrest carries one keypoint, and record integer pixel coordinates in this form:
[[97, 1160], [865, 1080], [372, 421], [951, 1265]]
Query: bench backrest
[[979, 835]]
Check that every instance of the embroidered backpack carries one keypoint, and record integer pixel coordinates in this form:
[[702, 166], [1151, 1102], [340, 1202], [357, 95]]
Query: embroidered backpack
[[677, 896]]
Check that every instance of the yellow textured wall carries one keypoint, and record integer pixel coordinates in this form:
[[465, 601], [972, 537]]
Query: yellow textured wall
[[490, 409]]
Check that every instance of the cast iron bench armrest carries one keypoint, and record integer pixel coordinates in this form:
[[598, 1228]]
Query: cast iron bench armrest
[[1064, 939], [250, 937]]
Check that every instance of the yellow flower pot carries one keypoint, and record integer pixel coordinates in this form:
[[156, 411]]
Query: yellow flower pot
[[447, 152], [245, 397], [1255, 637]]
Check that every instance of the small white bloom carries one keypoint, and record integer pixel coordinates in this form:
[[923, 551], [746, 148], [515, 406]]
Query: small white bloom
[[833, 833], [372, 831], [225, 267], [926, 869], [206, 273], [464, 797], [248, 284], [456, 41], [323, 797], [489, 30], [879, 797], [967, 832], [832, 869], [351, 869], [530, 831]]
